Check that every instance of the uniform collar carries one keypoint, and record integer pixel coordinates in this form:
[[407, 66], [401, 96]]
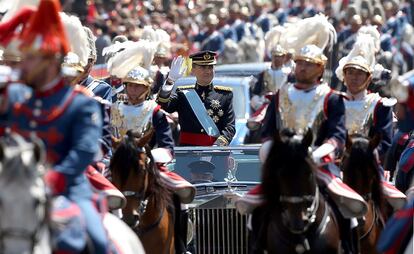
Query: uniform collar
[[52, 87], [204, 88], [87, 81], [306, 89], [357, 97]]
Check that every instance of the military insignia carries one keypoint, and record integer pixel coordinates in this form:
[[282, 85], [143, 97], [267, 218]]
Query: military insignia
[[215, 104], [216, 119], [220, 112], [207, 56], [210, 112], [95, 118], [203, 95]]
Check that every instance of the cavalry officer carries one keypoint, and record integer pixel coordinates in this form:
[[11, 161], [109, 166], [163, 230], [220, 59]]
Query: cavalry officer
[[139, 113], [367, 113], [205, 111], [67, 121], [273, 78], [310, 104], [397, 234]]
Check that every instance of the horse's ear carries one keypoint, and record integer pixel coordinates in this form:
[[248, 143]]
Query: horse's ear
[[374, 141], [141, 142], [38, 149], [307, 138], [348, 142]]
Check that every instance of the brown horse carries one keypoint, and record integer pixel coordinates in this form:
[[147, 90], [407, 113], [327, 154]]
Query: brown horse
[[149, 211], [296, 218], [361, 172]]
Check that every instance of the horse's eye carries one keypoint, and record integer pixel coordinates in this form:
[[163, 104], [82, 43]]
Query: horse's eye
[[36, 203]]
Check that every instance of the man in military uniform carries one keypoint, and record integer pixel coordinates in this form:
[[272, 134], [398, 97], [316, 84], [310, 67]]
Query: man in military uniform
[[273, 78], [211, 39], [311, 104], [97, 87], [366, 113], [140, 113], [205, 111], [61, 116]]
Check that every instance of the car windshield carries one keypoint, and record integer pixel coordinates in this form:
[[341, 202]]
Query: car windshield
[[218, 164], [239, 95]]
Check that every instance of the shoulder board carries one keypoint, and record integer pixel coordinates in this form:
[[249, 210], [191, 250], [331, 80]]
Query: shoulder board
[[83, 90], [186, 87], [223, 88]]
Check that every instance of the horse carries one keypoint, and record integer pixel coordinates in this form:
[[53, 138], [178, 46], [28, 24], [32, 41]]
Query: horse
[[23, 199], [149, 211], [298, 218], [361, 172], [26, 217]]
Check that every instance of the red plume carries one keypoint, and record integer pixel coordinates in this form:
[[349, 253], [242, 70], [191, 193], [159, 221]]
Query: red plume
[[45, 32], [8, 28]]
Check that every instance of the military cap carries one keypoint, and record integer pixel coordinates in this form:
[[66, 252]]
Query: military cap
[[204, 58], [203, 167]]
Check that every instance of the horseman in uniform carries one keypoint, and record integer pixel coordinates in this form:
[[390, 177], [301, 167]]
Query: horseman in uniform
[[63, 117], [397, 236], [205, 111], [311, 104], [368, 113], [139, 113]]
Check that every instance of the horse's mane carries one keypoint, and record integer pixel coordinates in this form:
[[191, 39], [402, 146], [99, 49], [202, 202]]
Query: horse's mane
[[361, 157], [287, 159], [126, 157]]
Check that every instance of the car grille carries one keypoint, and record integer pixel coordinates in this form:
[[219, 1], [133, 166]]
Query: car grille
[[219, 230]]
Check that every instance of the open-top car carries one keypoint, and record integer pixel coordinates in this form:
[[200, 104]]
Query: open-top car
[[220, 175]]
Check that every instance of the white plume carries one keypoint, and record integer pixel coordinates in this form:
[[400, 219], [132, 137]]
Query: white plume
[[363, 51], [149, 34], [315, 30], [77, 37], [116, 47], [272, 38], [373, 32], [140, 53], [16, 5]]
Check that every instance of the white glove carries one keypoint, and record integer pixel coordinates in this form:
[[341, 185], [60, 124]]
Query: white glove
[[177, 69], [322, 151]]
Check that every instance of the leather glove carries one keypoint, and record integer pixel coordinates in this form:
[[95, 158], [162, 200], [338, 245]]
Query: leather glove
[[177, 69]]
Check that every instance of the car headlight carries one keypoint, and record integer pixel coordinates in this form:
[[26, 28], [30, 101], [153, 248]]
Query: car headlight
[[190, 231]]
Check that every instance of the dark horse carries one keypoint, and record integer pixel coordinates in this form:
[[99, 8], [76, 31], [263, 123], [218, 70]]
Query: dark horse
[[296, 216], [149, 211], [361, 172]]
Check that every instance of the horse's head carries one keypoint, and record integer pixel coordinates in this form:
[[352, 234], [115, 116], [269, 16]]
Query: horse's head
[[289, 181], [360, 166], [134, 174], [23, 206]]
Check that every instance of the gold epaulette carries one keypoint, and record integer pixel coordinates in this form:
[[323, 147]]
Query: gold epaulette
[[223, 88], [186, 87]]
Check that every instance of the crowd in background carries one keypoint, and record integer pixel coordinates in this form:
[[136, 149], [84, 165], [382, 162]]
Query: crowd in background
[[222, 25]]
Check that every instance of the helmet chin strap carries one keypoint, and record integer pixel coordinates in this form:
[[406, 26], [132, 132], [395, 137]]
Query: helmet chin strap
[[365, 84]]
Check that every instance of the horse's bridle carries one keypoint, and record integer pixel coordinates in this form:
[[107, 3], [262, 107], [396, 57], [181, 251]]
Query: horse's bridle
[[310, 211], [141, 196]]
